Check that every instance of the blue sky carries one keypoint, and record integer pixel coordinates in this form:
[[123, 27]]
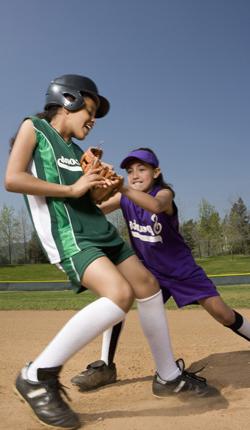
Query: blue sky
[[176, 72]]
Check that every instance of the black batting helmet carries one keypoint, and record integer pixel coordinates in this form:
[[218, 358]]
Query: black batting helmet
[[77, 87]]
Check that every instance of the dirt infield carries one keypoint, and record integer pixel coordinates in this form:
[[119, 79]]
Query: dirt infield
[[129, 404]]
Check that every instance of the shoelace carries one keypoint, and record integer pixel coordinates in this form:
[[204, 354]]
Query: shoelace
[[193, 375], [56, 386]]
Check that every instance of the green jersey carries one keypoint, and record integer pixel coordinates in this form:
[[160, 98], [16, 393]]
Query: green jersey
[[64, 226]]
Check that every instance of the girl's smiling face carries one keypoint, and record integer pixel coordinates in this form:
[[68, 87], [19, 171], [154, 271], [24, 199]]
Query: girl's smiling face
[[141, 175], [76, 123], [83, 120]]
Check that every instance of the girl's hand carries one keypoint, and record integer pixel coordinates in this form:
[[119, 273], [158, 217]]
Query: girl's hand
[[101, 193], [116, 183], [88, 181]]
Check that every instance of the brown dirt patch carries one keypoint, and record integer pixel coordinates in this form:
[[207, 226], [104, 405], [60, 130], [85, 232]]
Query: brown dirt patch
[[129, 404]]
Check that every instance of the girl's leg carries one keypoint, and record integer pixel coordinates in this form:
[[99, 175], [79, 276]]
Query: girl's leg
[[152, 316], [171, 377], [38, 383], [216, 307], [91, 320], [111, 337]]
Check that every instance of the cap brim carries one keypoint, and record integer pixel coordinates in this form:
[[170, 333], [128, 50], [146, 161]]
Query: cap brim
[[126, 161], [143, 155], [103, 107]]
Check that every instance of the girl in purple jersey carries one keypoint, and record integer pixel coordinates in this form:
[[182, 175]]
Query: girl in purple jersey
[[151, 215]]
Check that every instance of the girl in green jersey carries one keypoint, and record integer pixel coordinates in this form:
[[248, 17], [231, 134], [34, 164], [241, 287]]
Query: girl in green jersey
[[44, 166]]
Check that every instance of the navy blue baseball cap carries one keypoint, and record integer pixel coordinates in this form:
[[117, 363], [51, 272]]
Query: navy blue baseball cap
[[142, 155]]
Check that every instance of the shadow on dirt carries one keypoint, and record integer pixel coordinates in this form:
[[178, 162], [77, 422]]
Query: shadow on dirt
[[221, 371]]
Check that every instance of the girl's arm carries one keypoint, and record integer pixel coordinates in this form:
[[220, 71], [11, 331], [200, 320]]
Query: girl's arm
[[111, 204], [162, 202], [19, 180]]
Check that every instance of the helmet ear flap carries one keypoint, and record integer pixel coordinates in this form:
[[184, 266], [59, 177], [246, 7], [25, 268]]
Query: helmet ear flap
[[68, 98], [73, 100]]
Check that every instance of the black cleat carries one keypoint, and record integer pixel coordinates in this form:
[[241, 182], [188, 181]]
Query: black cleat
[[96, 375], [44, 397], [187, 382]]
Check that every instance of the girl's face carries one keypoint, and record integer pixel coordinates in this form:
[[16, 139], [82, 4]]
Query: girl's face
[[81, 122], [141, 175]]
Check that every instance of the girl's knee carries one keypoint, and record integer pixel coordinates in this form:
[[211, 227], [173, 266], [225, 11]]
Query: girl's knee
[[148, 286], [123, 296], [152, 282]]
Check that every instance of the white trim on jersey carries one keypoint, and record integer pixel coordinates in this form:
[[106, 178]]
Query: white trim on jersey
[[59, 177], [42, 222], [74, 268]]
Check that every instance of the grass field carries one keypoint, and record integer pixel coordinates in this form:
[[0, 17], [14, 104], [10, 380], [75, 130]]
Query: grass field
[[237, 264], [237, 296], [31, 272]]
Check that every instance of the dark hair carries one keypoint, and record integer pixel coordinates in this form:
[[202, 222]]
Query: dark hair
[[47, 114], [160, 179]]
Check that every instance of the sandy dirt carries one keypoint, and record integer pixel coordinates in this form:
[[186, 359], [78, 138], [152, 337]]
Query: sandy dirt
[[129, 404]]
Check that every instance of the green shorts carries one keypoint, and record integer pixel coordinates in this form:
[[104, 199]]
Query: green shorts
[[75, 266]]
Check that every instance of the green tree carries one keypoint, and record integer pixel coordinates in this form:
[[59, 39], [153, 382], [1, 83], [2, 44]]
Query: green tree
[[36, 253], [210, 229], [25, 233], [237, 227], [189, 233], [9, 231]]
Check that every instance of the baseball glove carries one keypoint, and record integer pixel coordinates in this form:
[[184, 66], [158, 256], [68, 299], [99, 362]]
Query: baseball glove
[[92, 159]]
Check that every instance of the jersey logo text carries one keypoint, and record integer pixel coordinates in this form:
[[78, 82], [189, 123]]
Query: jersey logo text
[[69, 164], [147, 233]]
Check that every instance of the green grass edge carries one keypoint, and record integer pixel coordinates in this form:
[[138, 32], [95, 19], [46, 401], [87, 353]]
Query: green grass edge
[[236, 296]]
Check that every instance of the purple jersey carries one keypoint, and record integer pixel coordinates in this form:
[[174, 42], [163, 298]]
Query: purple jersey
[[159, 245]]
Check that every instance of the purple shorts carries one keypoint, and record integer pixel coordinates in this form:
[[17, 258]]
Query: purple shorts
[[189, 290]]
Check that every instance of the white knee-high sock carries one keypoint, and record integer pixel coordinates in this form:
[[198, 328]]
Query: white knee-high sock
[[106, 337], [109, 342], [77, 332], [155, 327]]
